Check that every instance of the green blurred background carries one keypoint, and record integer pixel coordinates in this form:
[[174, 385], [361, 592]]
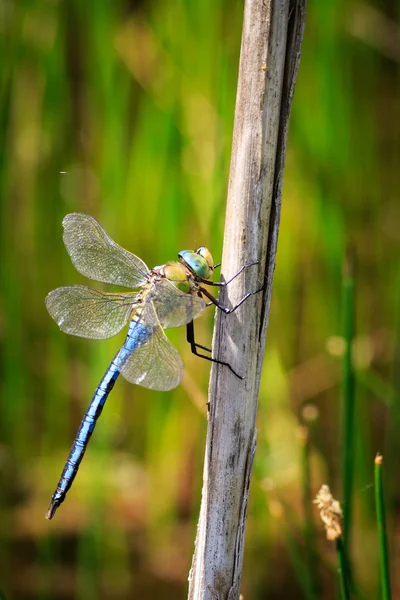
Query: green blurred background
[[124, 110]]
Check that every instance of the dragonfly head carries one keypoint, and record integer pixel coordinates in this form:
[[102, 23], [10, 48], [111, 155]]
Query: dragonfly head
[[199, 262]]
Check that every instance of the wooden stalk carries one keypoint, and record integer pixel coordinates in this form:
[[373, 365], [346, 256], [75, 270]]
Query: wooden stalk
[[269, 60]]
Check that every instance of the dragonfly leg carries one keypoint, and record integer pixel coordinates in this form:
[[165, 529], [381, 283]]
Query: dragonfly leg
[[224, 309], [194, 347], [224, 283], [191, 340]]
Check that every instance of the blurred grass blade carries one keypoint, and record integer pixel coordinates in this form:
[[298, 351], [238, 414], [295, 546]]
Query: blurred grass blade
[[309, 529], [383, 390], [347, 399], [380, 516], [298, 563]]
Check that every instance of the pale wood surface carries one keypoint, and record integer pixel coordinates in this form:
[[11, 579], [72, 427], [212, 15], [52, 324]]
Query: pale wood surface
[[270, 53]]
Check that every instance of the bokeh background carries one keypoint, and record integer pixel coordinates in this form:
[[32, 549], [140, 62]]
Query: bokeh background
[[124, 110]]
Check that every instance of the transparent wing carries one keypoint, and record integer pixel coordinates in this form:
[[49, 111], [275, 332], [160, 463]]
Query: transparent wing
[[173, 307], [85, 312], [156, 364], [97, 256]]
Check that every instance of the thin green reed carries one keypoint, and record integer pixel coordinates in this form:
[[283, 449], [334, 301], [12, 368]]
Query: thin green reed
[[343, 570], [347, 397], [381, 521]]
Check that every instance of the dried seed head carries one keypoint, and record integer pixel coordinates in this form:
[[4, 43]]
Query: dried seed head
[[330, 513]]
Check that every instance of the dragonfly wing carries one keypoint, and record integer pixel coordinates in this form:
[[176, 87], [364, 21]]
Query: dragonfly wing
[[175, 308], [97, 256], [155, 364], [85, 312]]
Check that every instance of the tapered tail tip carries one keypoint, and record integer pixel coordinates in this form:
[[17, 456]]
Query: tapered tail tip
[[52, 510]]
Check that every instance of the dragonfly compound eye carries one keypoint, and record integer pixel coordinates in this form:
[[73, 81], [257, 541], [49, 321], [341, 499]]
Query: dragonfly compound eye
[[197, 263], [206, 254]]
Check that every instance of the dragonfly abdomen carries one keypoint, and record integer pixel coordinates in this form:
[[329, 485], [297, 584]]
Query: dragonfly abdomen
[[138, 334]]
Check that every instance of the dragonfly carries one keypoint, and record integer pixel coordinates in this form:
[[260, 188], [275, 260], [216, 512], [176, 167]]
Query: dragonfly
[[170, 295]]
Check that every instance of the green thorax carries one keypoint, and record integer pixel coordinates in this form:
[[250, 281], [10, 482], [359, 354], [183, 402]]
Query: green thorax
[[178, 275]]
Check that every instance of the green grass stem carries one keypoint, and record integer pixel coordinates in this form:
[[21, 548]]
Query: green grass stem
[[381, 520], [343, 570], [348, 387]]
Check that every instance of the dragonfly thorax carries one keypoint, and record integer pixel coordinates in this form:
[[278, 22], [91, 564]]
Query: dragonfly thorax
[[200, 262], [177, 274]]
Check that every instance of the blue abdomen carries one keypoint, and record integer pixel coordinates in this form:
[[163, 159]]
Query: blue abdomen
[[138, 334]]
